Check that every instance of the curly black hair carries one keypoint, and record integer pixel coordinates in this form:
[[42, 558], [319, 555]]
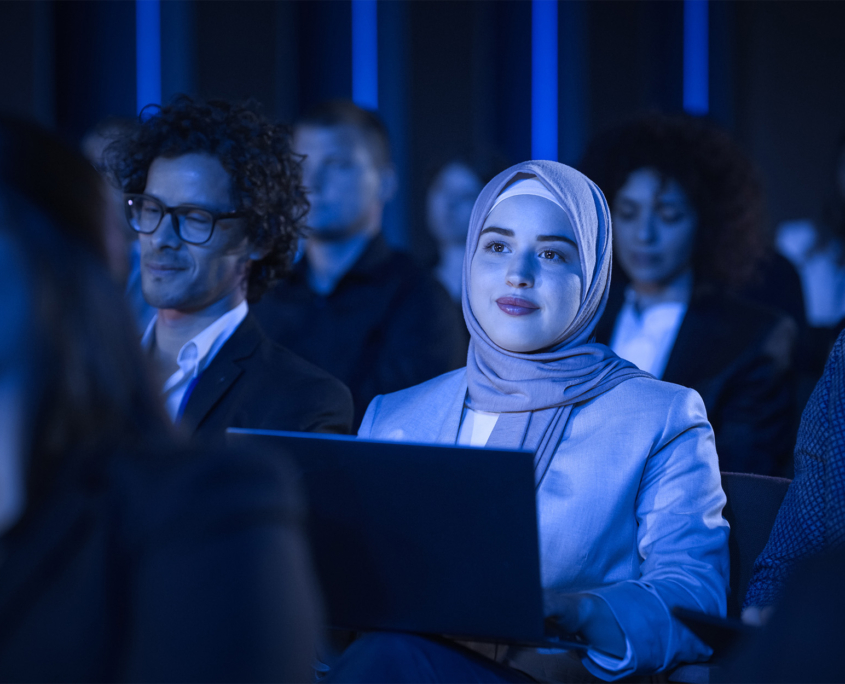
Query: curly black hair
[[720, 180], [266, 174]]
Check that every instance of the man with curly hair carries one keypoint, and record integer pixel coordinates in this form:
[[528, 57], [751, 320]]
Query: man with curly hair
[[214, 192], [353, 306]]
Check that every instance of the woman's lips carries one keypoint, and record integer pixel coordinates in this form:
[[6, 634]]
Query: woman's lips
[[516, 306]]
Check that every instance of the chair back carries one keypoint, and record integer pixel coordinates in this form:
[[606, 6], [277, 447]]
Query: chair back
[[751, 509]]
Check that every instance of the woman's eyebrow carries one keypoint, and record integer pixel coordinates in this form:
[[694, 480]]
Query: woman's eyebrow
[[556, 238], [507, 232]]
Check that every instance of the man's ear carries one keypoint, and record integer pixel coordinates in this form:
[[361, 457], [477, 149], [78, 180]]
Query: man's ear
[[388, 183]]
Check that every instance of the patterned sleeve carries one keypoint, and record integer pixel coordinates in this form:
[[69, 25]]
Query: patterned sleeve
[[812, 516]]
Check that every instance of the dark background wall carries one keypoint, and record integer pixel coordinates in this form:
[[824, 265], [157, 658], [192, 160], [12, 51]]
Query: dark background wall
[[454, 75]]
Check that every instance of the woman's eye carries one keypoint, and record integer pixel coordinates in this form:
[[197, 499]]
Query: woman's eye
[[671, 215], [550, 254], [497, 247]]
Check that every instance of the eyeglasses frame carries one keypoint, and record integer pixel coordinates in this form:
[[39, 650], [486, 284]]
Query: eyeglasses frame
[[215, 216]]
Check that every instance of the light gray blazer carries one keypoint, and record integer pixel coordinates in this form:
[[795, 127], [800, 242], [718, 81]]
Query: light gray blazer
[[630, 508]]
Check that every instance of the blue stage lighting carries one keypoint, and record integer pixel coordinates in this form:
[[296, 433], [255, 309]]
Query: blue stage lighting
[[696, 57], [365, 53], [148, 52], [544, 57]]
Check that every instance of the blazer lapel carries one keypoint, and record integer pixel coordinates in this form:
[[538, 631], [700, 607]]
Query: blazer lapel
[[696, 342], [449, 421], [221, 373]]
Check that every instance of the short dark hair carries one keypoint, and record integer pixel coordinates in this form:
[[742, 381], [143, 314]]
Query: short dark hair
[[346, 113], [266, 174], [717, 176], [90, 389]]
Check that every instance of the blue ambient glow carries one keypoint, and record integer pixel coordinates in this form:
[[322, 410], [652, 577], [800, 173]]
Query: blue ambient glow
[[365, 53], [696, 57], [544, 58], [148, 52]]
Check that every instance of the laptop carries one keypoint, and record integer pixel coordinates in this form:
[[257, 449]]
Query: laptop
[[421, 538]]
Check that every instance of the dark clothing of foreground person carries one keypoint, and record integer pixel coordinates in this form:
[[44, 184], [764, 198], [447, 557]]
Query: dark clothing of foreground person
[[812, 517], [386, 326], [803, 640], [737, 356], [237, 389], [160, 567]]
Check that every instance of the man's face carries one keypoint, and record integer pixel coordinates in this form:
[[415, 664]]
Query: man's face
[[344, 182], [181, 276]]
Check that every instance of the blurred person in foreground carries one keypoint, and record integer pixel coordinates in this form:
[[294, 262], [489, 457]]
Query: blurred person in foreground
[[121, 241], [365, 313], [214, 193], [124, 556], [811, 519], [687, 225]]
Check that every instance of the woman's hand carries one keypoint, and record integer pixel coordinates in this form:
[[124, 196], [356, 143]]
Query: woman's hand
[[589, 617]]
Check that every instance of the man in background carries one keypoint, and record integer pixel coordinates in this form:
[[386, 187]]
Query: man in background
[[367, 314]]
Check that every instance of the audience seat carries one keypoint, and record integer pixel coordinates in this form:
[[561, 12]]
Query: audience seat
[[751, 509]]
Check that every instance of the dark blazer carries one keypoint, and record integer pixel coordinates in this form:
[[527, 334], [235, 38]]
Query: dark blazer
[[387, 325], [160, 566], [254, 383], [738, 356]]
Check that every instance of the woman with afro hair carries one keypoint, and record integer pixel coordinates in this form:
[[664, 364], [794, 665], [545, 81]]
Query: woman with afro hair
[[687, 211]]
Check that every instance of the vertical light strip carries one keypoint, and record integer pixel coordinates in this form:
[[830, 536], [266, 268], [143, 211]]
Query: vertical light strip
[[365, 53], [544, 79], [148, 52], [696, 57]]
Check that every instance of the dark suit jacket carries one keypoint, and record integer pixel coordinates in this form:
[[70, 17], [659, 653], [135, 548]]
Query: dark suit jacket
[[738, 356], [387, 325], [254, 383], [160, 566]]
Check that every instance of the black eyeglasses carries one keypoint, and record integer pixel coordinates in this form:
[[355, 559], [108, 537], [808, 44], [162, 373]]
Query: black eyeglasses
[[192, 224]]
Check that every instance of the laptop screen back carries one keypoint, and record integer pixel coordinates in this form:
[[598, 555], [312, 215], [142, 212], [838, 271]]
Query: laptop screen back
[[430, 539]]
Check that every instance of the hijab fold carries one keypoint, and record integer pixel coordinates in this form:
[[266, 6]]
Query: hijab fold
[[535, 392]]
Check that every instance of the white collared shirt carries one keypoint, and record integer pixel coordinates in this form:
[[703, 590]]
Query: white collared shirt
[[476, 427], [195, 355], [645, 337]]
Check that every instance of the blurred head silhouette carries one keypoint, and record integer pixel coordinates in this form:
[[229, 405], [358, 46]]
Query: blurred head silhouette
[[684, 197], [71, 374], [347, 169]]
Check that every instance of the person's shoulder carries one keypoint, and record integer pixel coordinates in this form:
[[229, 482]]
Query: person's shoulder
[[745, 326], [412, 405], [430, 390], [645, 399], [740, 313]]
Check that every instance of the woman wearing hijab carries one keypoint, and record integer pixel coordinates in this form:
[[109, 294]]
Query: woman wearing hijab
[[629, 497]]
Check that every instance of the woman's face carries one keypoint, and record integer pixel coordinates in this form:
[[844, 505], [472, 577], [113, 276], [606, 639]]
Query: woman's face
[[654, 228], [525, 276], [449, 203]]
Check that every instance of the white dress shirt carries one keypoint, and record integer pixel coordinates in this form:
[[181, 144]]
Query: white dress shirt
[[476, 427], [195, 355], [645, 332]]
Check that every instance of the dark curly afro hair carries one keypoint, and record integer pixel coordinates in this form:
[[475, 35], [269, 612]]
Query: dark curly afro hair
[[719, 179], [266, 174]]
